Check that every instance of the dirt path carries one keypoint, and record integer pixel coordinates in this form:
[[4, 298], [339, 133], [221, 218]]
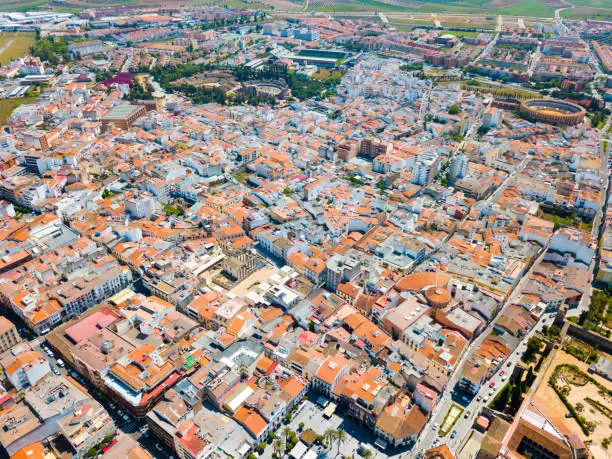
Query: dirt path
[[6, 46]]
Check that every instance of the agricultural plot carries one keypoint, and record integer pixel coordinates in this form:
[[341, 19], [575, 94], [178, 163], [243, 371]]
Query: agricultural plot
[[533, 8]]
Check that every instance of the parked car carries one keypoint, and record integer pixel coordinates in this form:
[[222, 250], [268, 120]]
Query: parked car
[[492, 384], [467, 414], [453, 433]]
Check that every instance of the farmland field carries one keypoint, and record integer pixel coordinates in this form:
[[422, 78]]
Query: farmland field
[[587, 12], [596, 9], [528, 8], [593, 3]]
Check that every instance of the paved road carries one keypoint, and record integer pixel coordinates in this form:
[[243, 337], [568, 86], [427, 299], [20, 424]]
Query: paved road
[[596, 231], [486, 393], [428, 436], [129, 425], [488, 48]]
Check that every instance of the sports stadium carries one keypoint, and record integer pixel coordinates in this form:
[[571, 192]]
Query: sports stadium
[[553, 111]]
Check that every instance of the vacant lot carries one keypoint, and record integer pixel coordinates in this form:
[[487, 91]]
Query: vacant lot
[[8, 105], [14, 44]]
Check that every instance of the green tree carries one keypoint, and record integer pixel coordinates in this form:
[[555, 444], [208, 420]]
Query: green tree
[[330, 437], [340, 438], [530, 376], [533, 346], [286, 433], [502, 399], [454, 109], [516, 399], [278, 447]]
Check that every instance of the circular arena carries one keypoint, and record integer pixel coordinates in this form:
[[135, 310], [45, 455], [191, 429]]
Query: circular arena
[[553, 111], [273, 88]]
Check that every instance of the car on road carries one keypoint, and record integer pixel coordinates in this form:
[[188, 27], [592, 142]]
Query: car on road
[[491, 392], [492, 384], [56, 371], [435, 426], [509, 364], [478, 398], [453, 433], [501, 373], [467, 414], [485, 398]]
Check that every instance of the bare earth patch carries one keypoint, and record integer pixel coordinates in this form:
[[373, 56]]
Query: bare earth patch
[[547, 400]]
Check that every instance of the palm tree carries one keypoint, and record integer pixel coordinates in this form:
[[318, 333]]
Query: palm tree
[[340, 438], [367, 454], [278, 447], [286, 434], [330, 436]]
